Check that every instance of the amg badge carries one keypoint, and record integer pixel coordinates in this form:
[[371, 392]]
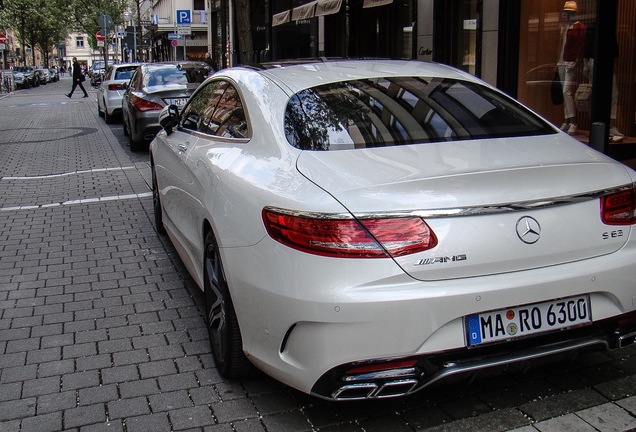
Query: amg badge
[[440, 260]]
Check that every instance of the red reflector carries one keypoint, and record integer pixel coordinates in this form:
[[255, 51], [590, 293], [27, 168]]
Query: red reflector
[[114, 87], [619, 208], [141, 104], [382, 366], [372, 238]]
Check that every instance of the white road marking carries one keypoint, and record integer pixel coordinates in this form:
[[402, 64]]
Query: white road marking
[[78, 201], [65, 174]]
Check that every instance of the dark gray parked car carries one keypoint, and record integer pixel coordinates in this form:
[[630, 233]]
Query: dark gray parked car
[[152, 87]]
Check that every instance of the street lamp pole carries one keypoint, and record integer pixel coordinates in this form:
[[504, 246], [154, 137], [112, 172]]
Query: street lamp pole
[[129, 18], [138, 25]]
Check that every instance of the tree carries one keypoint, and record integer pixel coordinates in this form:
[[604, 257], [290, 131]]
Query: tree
[[244, 30], [37, 23], [85, 14]]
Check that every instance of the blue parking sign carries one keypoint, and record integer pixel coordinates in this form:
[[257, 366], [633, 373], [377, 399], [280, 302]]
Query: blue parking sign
[[183, 16]]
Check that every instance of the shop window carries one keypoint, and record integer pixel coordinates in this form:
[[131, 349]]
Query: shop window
[[545, 44], [458, 34]]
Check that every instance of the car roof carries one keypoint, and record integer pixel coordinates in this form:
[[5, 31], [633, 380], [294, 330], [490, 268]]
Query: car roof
[[189, 63], [120, 65], [297, 76]]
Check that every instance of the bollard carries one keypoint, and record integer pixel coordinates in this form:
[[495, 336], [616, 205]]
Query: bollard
[[598, 135]]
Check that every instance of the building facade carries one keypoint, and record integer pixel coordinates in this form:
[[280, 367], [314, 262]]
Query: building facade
[[515, 45]]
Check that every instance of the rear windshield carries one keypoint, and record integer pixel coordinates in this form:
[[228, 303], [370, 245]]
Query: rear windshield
[[176, 75], [125, 72], [410, 110]]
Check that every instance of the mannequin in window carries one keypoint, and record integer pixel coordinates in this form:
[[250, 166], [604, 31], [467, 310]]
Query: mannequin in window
[[572, 41], [588, 69]]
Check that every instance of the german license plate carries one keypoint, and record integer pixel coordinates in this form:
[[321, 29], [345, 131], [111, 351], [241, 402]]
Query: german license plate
[[527, 320], [178, 101]]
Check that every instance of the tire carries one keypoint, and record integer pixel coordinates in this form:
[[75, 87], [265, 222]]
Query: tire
[[135, 145], [156, 203], [107, 117], [126, 133], [223, 328]]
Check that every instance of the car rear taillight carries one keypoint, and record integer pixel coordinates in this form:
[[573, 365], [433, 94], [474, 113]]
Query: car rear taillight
[[114, 87], [367, 238], [142, 104], [619, 208]]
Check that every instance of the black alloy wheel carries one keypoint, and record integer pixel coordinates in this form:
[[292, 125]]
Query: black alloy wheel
[[223, 328], [135, 144]]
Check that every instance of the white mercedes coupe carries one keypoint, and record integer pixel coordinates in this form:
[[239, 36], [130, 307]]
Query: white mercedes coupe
[[362, 229]]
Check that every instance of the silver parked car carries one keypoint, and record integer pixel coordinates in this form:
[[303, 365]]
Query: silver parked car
[[364, 229], [152, 87]]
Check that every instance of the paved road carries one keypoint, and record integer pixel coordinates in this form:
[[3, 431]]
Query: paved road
[[101, 329]]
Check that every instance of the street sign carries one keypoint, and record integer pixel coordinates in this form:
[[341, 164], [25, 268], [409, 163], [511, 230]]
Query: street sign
[[3, 38], [173, 36], [174, 42], [183, 16], [99, 37], [104, 21], [184, 29]]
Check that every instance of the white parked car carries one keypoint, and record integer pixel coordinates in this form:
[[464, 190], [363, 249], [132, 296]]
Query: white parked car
[[362, 229], [111, 89], [45, 75]]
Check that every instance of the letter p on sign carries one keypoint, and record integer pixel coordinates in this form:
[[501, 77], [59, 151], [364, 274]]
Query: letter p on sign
[[183, 16]]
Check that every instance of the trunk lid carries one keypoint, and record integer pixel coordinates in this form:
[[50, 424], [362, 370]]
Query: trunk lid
[[476, 195]]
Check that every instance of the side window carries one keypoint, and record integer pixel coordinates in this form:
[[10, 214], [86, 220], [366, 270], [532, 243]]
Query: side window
[[229, 116], [135, 82], [197, 113]]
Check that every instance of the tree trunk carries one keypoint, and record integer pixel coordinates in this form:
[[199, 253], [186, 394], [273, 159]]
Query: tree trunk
[[244, 47]]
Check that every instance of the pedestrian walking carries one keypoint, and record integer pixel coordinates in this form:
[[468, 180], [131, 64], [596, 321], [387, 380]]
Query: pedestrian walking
[[209, 61], [78, 78]]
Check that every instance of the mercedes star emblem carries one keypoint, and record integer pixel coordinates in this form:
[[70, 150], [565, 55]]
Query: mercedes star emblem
[[528, 230]]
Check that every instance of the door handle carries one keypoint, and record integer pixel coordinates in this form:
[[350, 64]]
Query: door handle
[[182, 148]]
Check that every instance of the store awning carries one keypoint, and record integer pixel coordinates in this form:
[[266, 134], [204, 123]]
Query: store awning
[[328, 7], [281, 18], [305, 11], [374, 3]]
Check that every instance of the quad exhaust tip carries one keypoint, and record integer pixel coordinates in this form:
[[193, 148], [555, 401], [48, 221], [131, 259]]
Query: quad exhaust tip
[[370, 390]]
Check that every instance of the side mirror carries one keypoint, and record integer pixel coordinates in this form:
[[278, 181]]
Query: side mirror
[[125, 85], [169, 118]]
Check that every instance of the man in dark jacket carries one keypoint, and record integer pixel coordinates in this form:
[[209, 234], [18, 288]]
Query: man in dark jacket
[[78, 78], [210, 62]]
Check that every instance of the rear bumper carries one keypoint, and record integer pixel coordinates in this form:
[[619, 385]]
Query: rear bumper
[[309, 323], [385, 379], [112, 101], [146, 126]]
